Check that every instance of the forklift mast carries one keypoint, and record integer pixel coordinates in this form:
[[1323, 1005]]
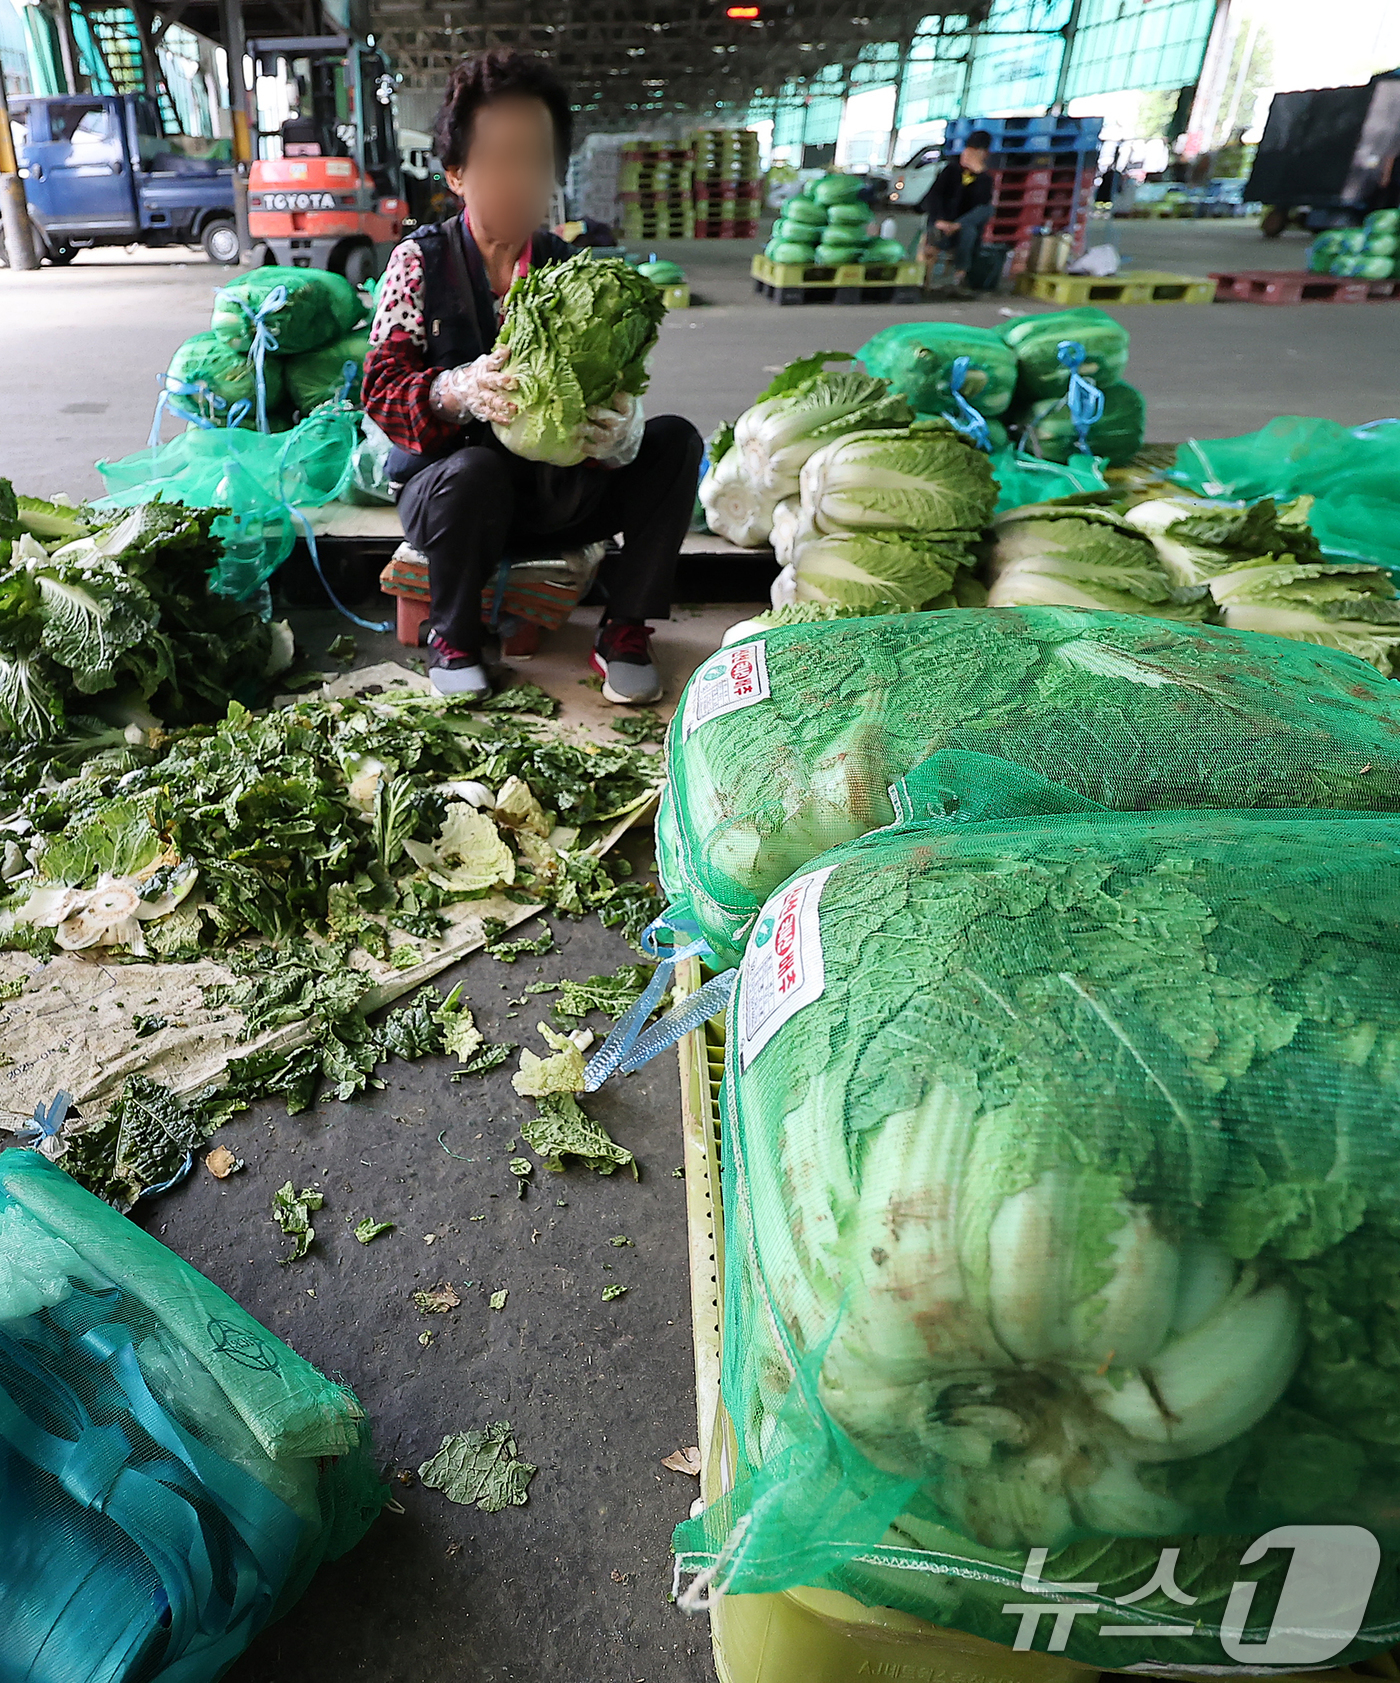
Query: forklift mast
[[334, 199]]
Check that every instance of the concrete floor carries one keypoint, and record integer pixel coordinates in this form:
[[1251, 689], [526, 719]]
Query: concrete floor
[[574, 1585], [81, 348]]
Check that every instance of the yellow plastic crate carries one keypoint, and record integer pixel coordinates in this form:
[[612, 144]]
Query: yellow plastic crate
[[1143, 286], [800, 1635], [676, 297]]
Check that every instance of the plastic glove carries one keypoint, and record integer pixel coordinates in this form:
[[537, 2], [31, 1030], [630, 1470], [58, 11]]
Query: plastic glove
[[475, 391], [613, 434]]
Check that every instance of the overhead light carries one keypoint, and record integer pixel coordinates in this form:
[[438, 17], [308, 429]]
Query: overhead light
[[741, 14]]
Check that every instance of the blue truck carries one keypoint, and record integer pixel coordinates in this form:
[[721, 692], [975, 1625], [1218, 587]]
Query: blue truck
[[99, 169]]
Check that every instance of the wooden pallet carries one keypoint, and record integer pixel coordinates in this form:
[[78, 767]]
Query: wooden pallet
[[844, 283], [1297, 286], [1144, 286]]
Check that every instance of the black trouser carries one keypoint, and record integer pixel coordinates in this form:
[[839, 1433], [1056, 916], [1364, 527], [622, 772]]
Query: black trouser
[[481, 503]]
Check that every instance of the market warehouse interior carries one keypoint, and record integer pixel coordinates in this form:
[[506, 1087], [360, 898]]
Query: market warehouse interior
[[698, 800]]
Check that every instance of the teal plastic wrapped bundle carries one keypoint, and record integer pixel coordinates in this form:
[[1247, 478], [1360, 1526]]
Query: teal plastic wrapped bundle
[[298, 309], [223, 382], [171, 1475], [1116, 436], [264, 480], [837, 189], [834, 255], [1382, 222], [1062, 1206], [1023, 478], [917, 359], [317, 377], [1353, 473], [1036, 341], [787, 744]]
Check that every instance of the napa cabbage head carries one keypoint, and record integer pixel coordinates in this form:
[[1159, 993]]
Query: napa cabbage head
[[578, 333], [1338, 605], [776, 436], [874, 572], [924, 478], [1077, 557]]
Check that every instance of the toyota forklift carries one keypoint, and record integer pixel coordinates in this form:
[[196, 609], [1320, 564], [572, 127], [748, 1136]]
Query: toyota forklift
[[335, 198]]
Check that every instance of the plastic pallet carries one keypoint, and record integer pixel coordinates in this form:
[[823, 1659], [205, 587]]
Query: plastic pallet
[[846, 283], [1289, 286], [726, 231], [1146, 286]]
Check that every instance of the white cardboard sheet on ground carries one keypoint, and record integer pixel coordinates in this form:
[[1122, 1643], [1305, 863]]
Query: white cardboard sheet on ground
[[72, 1026]]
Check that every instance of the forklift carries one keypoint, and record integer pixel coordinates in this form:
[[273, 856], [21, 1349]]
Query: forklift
[[335, 198]]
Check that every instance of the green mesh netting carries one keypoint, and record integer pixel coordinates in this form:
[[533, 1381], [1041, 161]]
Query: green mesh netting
[[1036, 341], [1062, 1228], [1023, 478], [1117, 435], [786, 745], [917, 359], [317, 376], [260, 478], [1353, 472], [319, 306], [171, 1475], [225, 378]]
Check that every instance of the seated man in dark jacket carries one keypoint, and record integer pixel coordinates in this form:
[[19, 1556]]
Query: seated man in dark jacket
[[959, 205]]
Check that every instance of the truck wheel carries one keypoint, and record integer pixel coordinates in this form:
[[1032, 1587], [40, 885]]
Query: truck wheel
[[60, 255], [220, 242], [356, 263], [1274, 222]]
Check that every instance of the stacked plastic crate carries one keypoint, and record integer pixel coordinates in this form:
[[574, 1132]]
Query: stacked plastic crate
[[1043, 171], [655, 185], [728, 184]]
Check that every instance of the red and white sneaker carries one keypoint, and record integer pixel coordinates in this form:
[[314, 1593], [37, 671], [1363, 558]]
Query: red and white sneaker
[[622, 659]]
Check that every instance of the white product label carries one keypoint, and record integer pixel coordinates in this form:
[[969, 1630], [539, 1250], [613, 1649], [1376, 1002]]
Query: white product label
[[733, 678], [783, 968]]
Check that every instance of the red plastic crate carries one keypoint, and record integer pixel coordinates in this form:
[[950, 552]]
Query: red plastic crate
[[726, 231], [736, 187]]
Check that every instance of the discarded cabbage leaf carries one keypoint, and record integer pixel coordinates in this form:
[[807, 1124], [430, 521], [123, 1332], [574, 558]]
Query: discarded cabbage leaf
[[563, 1073], [292, 1212], [612, 1292], [481, 1468], [517, 808], [436, 1300], [497, 1299], [562, 1130], [370, 1229], [614, 995], [468, 854], [460, 1035]]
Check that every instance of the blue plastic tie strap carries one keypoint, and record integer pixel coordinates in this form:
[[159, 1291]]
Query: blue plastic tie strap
[[616, 1051], [171, 387], [310, 536], [348, 371], [1084, 398], [969, 421], [48, 1120], [706, 1002], [264, 340]]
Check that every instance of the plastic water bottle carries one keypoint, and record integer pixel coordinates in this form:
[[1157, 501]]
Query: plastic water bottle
[[889, 229]]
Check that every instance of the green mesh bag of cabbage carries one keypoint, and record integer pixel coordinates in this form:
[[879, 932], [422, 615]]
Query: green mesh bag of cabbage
[[1062, 1231], [785, 745], [171, 1475], [222, 378], [917, 358], [301, 309], [1036, 341], [1116, 436]]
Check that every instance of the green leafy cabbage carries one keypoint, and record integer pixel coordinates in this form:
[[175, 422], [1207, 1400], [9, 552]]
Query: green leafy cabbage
[[579, 333], [1081, 557], [1342, 605], [925, 479]]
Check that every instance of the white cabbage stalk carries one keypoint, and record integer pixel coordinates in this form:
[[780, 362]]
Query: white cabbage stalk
[[787, 523], [734, 507], [783, 592], [1188, 565], [969, 1352], [109, 914]]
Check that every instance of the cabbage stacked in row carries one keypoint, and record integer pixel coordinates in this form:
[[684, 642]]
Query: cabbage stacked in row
[[1370, 252], [1256, 568], [886, 521], [827, 224]]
